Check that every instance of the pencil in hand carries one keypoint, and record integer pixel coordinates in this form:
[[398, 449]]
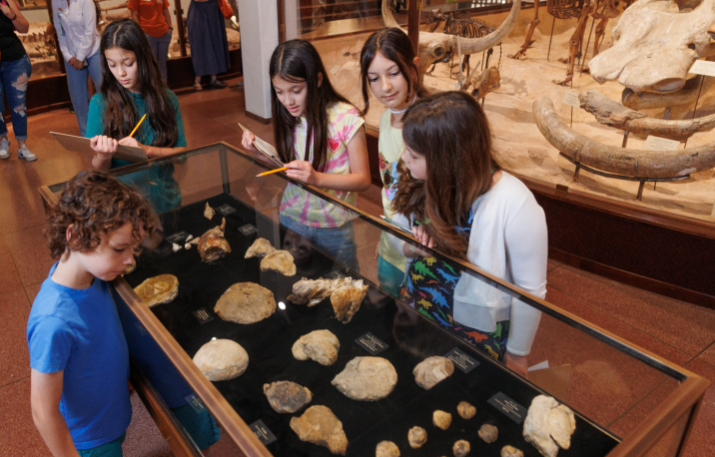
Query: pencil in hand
[[271, 172], [138, 124]]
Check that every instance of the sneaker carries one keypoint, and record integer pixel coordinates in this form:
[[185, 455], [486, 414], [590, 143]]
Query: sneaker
[[4, 148], [24, 153]]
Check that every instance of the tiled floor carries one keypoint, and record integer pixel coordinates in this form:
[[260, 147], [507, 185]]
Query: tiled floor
[[612, 391]]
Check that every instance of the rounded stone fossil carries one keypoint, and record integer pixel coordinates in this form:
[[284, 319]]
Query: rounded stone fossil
[[417, 436], [466, 410], [318, 425], [387, 449], [221, 360], [441, 419], [510, 451], [488, 433], [260, 248], [319, 345], [461, 448], [157, 290], [245, 303], [286, 396], [366, 378], [280, 261], [432, 370]]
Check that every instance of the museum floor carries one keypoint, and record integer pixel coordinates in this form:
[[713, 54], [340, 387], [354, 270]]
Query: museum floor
[[678, 331]]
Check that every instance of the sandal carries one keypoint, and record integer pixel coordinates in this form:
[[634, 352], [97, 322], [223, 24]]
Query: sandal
[[217, 84], [198, 87]]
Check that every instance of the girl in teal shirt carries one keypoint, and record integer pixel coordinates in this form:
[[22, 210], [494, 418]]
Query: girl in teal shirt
[[131, 87]]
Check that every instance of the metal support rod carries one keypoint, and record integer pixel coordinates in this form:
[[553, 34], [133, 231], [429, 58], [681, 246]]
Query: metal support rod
[[575, 173], [625, 138], [551, 38], [583, 62], [695, 108], [640, 190]]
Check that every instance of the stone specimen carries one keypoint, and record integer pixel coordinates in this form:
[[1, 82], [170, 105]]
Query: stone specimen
[[545, 420], [213, 245], [130, 268], [417, 436], [346, 298], [245, 303], [159, 289], [286, 396], [432, 370], [280, 261], [466, 410], [441, 419], [461, 448], [318, 425], [311, 291], [220, 360], [387, 449], [176, 247], [366, 378], [510, 451], [260, 248], [488, 433], [319, 345], [209, 212]]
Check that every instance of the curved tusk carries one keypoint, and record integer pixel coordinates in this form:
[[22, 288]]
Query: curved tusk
[[637, 163], [387, 16]]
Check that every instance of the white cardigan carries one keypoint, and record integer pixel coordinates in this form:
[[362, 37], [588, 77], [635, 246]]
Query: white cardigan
[[508, 240]]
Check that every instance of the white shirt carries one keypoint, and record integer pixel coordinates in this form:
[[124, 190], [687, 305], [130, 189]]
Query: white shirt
[[76, 26], [508, 240]]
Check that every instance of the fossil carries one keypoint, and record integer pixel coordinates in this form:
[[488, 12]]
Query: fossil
[[346, 298], [387, 449], [366, 378], [466, 410], [280, 261], [488, 433], [432, 370], [511, 451], [548, 425], [417, 436], [286, 396], [221, 359], [209, 212], [131, 267], [318, 425], [319, 345], [260, 248], [461, 448], [441, 419], [159, 289], [175, 247], [311, 291], [245, 303], [213, 245]]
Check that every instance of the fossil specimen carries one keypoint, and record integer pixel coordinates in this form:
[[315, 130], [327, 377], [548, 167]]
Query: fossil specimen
[[220, 360], [387, 449], [209, 212], [548, 425], [311, 291], [245, 303], [131, 267], [366, 378], [286, 396], [417, 436], [488, 433], [318, 425], [176, 247], [159, 289], [511, 451], [280, 261], [461, 448], [319, 345], [346, 298], [432, 370], [441, 419], [260, 248], [213, 245], [466, 410]]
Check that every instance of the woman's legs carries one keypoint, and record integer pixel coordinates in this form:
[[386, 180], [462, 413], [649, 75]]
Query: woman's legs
[[160, 49], [79, 94], [15, 76]]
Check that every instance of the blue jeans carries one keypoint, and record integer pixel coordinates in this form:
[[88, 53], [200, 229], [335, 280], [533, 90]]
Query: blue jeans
[[111, 449], [77, 82], [338, 242], [15, 76], [160, 49]]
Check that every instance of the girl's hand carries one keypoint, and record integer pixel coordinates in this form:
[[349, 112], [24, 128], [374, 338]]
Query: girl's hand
[[6, 10], [422, 236], [247, 141], [302, 171], [130, 141], [102, 144]]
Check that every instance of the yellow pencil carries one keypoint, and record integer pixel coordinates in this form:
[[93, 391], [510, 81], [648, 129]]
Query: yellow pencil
[[140, 123], [271, 172]]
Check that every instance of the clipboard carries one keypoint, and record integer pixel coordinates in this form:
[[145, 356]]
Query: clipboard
[[265, 148], [396, 225], [79, 144]]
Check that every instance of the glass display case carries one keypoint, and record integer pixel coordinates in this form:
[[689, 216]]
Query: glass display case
[[626, 401]]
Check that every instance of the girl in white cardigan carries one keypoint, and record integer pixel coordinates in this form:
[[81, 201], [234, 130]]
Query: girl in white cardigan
[[457, 201]]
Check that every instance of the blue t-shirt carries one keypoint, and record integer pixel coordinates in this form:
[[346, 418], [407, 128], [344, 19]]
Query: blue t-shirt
[[157, 183], [79, 331]]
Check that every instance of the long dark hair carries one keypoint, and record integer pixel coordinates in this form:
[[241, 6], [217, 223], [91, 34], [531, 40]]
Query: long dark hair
[[120, 114], [297, 61], [396, 46], [452, 132]]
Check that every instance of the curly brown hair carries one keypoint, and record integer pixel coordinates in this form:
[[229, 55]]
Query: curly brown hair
[[95, 204]]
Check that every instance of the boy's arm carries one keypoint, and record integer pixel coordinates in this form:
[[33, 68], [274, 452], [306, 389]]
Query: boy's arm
[[45, 394]]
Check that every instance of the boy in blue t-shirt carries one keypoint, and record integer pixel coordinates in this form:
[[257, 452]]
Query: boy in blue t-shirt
[[78, 353]]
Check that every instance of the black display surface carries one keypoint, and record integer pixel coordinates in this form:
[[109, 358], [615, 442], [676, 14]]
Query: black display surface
[[410, 338]]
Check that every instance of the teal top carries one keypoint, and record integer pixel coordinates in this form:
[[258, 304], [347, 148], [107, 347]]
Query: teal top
[[157, 183]]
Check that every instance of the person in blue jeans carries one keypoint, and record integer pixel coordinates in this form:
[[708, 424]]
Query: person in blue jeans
[[79, 356], [15, 71], [76, 25]]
